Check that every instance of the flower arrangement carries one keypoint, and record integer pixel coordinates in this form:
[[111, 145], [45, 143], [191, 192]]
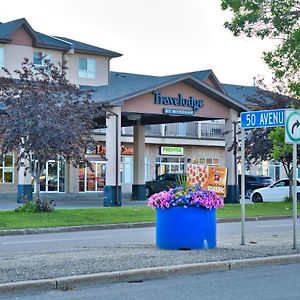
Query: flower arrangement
[[187, 197]]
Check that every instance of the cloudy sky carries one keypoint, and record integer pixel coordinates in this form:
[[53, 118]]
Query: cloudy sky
[[156, 37]]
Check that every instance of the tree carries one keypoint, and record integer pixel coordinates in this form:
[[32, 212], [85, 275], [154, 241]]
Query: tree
[[282, 153], [279, 19], [44, 117]]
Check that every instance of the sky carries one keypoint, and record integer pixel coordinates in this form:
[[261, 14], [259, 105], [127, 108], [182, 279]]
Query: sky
[[156, 37]]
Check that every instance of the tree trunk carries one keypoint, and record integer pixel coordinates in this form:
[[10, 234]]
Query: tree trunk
[[37, 186]]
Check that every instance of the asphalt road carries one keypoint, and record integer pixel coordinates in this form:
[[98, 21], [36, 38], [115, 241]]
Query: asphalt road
[[104, 238], [263, 283]]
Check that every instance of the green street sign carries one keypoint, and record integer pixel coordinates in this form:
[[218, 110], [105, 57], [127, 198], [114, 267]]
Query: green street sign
[[292, 126]]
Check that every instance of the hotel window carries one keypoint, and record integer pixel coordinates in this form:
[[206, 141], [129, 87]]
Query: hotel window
[[87, 68], [7, 169], [1, 57], [40, 57]]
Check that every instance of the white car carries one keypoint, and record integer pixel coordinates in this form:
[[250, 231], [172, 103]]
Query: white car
[[274, 193]]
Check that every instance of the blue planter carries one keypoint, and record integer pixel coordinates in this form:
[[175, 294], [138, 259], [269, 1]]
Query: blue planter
[[185, 228]]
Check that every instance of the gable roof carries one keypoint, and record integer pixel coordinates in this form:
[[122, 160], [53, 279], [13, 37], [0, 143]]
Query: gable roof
[[207, 74], [86, 48], [7, 29], [123, 86], [49, 42]]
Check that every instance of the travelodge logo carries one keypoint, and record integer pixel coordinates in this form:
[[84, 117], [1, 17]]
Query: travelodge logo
[[191, 102]]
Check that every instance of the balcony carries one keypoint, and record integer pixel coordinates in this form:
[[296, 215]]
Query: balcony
[[202, 130]]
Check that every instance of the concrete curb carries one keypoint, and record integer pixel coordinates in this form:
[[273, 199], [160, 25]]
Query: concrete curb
[[6, 232], [134, 275]]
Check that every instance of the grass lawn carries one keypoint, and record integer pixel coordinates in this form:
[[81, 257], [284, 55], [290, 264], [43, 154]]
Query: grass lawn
[[92, 216]]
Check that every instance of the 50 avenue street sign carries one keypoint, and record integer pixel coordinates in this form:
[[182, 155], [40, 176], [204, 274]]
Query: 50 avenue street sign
[[262, 118]]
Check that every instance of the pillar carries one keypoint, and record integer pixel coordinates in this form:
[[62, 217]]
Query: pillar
[[24, 189], [230, 161], [112, 188], [138, 187]]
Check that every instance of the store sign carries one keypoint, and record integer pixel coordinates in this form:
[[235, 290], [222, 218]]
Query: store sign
[[191, 102], [101, 150], [171, 150], [212, 178]]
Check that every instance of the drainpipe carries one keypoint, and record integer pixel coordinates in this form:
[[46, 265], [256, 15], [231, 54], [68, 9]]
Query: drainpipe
[[117, 153]]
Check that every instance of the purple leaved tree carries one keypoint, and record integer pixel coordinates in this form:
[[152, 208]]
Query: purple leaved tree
[[43, 117]]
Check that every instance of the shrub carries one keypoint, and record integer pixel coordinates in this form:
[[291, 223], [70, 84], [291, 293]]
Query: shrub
[[37, 206]]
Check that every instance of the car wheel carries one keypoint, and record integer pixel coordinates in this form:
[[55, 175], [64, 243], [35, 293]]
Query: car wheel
[[248, 193], [148, 192], [257, 198]]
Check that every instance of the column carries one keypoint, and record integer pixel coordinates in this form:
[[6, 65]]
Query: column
[[138, 187], [112, 188], [24, 192], [230, 160]]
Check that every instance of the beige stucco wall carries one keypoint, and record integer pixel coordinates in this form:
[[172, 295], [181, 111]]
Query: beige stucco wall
[[21, 47], [15, 54], [102, 69]]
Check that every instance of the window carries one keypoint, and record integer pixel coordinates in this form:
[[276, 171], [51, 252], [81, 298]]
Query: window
[[205, 161], [1, 57], [92, 180], [87, 68], [7, 169], [40, 57]]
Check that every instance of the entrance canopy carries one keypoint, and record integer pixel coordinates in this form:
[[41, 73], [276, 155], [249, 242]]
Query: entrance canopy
[[169, 99]]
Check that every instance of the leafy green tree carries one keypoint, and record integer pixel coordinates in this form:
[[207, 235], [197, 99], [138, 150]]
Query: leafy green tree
[[282, 152], [278, 19]]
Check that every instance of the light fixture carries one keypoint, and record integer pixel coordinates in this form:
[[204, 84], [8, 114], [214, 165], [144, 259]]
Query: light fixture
[[134, 117]]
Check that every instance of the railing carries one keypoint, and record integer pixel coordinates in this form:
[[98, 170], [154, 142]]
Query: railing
[[212, 130], [189, 130]]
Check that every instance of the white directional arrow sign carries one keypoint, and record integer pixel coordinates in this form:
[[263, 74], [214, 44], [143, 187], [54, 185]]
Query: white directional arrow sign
[[292, 126]]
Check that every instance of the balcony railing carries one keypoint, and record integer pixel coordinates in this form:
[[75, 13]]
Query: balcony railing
[[204, 130], [212, 130]]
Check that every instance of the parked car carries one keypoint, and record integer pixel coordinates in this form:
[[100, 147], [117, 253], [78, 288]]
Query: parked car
[[275, 192], [253, 182], [161, 183]]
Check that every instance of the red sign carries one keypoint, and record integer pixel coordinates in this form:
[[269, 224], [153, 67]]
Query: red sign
[[101, 150]]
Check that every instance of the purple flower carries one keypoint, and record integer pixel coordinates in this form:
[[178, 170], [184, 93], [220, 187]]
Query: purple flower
[[191, 197]]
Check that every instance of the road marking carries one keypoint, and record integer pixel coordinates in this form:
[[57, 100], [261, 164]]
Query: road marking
[[280, 225], [55, 240]]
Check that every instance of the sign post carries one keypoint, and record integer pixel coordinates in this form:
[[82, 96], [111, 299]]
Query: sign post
[[249, 120], [292, 136]]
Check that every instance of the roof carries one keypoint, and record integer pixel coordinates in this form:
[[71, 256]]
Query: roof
[[251, 96], [240, 92], [46, 41], [123, 86], [86, 48]]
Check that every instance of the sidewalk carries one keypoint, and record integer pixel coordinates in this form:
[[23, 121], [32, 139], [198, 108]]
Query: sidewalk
[[69, 200], [57, 268]]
